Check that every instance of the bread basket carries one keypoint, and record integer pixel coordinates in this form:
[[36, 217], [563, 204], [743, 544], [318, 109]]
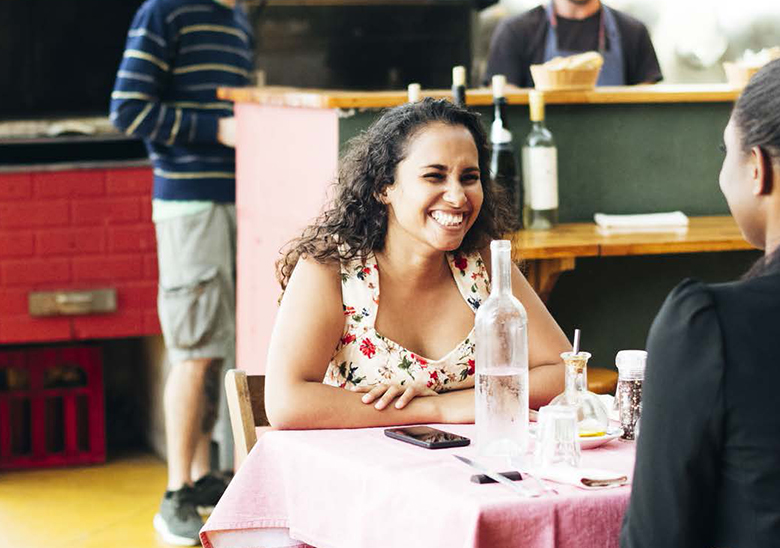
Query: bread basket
[[578, 72], [739, 75]]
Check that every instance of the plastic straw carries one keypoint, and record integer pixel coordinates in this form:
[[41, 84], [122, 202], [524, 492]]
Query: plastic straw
[[576, 341]]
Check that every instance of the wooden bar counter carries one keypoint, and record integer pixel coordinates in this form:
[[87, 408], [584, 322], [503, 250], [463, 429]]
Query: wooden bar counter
[[313, 98], [639, 149]]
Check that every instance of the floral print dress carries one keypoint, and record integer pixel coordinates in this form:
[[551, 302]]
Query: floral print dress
[[363, 357]]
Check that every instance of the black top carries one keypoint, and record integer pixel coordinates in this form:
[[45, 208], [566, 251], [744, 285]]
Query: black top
[[707, 471], [518, 42]]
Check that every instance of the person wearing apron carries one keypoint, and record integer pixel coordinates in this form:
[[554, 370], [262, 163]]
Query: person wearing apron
[[612, 72], [561, 28]]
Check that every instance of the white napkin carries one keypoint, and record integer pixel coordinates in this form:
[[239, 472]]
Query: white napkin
[[609, 402], [584, 478], [673, 220]]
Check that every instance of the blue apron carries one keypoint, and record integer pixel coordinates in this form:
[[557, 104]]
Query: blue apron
[[612, 72]]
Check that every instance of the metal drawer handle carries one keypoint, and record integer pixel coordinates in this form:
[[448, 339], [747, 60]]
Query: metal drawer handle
[[65, 299], [71, 303]]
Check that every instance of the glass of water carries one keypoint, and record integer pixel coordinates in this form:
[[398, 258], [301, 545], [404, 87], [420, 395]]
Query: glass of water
[[557, 441]]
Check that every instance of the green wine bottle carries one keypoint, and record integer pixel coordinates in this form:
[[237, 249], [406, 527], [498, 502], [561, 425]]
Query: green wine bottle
[[540, 170], [503, 161], [459, 86]]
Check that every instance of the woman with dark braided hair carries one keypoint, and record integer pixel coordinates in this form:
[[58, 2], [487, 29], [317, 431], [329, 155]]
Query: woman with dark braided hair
[[708, 457], [414, 212]]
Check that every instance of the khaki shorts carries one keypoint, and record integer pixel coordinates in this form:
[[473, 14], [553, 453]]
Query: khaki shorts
[[196, 300]]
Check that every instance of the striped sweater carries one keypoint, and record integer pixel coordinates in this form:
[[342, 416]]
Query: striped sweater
[[178, 53]]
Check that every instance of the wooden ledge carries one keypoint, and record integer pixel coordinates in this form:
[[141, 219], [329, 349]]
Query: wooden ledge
[[327, 99], [704, 234], [546, 254]]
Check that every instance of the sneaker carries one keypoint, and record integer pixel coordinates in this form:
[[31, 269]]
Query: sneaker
[[178, 521], [208, 490]]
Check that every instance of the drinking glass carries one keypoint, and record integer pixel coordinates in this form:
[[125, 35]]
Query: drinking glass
[[557, 438]]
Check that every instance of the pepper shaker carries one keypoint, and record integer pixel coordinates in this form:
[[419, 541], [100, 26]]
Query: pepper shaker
[[631, 375]]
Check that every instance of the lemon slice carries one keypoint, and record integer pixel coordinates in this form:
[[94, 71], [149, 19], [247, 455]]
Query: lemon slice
[[592, 434]]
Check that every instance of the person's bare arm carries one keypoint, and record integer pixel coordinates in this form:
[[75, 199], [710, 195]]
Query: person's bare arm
[[308, 326], [546, 341]]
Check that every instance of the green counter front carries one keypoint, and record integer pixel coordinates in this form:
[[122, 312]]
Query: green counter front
[[620, 150]]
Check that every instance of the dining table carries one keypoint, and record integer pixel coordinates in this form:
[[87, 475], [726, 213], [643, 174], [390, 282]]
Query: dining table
[[358, 488]]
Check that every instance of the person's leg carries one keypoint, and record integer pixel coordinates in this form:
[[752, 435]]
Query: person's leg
[[191, 313], [184, 408], [201, 458], [178, 520], [209, 485]]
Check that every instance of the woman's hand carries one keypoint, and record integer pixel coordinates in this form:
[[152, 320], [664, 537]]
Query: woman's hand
[[384, 394]]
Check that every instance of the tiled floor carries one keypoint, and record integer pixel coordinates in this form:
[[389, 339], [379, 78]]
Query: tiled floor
[[104, 506]]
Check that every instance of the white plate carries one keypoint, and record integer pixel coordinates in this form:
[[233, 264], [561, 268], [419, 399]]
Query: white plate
[[597, 441], [613, 432]]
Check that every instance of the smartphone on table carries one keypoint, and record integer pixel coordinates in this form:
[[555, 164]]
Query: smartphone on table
[[426, 436]]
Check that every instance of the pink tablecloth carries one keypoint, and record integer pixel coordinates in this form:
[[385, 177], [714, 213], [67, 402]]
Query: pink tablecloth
[[361, 489]]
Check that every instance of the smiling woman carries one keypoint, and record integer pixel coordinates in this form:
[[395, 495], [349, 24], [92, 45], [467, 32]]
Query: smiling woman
[[414, 212]]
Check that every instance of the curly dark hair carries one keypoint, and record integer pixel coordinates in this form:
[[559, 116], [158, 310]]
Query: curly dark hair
[[357, 218]]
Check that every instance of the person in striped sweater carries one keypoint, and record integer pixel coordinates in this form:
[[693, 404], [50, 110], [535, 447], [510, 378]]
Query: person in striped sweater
[[178, 53]]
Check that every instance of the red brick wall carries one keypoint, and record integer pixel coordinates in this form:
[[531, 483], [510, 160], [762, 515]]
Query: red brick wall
[[77, 229]]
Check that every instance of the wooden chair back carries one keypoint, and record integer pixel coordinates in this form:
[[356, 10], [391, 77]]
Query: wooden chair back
[[245, 398]]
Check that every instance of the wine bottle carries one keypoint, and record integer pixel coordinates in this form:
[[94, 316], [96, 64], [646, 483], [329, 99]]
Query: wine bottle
[[414, 93], [459, 86], [540, 170], [501, 364], [503, 162]]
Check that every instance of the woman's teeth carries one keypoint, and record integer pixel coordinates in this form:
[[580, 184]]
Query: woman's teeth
[[447, 219]]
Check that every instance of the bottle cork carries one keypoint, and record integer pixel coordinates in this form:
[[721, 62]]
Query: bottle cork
[[499, 85], [459, 76], [414, 92], [536, 105]]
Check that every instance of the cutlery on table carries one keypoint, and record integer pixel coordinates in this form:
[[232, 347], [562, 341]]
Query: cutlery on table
[[495, 476]]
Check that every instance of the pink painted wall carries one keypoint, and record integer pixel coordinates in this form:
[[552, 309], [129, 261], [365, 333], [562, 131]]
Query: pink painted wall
[[286, 159]]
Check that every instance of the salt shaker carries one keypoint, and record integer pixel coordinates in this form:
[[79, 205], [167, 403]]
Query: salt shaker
[[631, 375]]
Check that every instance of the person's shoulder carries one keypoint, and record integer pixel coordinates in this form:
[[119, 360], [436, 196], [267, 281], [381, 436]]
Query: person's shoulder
[[689, 308], [322, 270], [525, 22], [311, 277], [629, 22], [685, 338], [756, 292], [161, 8], [690, 298]]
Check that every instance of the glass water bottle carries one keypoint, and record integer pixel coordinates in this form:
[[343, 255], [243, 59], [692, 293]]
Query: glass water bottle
[[592, 417], [501, 385]]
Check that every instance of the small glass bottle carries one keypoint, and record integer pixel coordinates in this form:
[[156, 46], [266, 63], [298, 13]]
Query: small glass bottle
[[631, 375], [592, 417], [540, 170], [501, 384], [459, 86], [503, 161]]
